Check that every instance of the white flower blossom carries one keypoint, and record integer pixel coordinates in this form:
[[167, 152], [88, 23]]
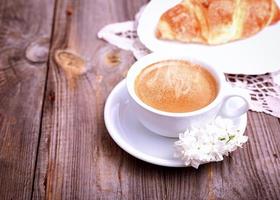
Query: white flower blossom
[[208, 143]]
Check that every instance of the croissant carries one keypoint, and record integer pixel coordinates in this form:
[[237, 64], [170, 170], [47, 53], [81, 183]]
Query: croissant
[[216, 21]]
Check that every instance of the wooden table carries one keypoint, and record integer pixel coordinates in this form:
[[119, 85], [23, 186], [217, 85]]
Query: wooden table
[[53, 141]]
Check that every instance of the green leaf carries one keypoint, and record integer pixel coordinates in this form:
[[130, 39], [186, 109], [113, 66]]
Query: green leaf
[[222, 138], [230, 137]]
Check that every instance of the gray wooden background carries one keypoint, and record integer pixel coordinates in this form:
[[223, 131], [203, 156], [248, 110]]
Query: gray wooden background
[[53, 141]]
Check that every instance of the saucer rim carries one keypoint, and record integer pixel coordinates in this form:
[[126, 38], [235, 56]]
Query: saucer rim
[[124, 145]]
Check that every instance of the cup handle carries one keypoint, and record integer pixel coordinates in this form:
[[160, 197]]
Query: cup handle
[[234, 104]]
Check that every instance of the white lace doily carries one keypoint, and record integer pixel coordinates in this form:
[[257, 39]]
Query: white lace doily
[[263, 89]]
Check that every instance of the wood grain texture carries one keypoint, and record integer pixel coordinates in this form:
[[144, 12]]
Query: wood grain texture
[[77, 159], [24, 45], [254, 171]]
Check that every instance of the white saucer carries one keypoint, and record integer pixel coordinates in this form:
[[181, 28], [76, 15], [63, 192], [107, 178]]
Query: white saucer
[[132, 137]]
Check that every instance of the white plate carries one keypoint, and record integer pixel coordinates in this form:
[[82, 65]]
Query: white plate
[[132, 137], [255, 55]]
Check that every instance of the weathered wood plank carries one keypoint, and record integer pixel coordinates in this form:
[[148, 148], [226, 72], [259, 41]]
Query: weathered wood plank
[[254, 171], [77, 158], [24, 45]]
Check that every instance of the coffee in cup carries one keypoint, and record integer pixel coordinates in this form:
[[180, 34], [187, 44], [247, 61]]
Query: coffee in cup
[[171, 92], [176, 86]]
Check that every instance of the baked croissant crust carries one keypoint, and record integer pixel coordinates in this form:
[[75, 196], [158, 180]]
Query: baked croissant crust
[[216, 21]]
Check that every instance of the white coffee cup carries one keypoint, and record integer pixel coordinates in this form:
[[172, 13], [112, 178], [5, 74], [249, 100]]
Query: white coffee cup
[[229, 103]]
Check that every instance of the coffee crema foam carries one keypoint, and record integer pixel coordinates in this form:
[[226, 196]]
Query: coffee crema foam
[[176, 86]]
